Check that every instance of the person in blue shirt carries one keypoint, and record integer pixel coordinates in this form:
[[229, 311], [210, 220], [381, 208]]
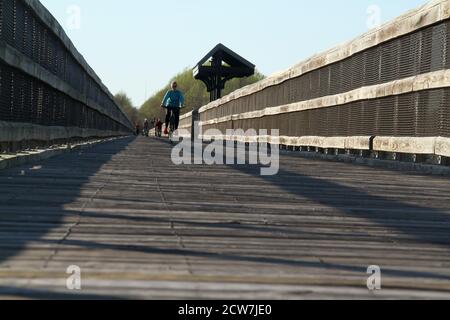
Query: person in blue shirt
[[173, 102]]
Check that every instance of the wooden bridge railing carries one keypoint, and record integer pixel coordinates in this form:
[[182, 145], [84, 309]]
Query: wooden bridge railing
[[47, 90], [385, 91]]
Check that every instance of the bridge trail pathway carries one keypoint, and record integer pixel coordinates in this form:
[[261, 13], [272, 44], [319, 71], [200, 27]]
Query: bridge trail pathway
[[140, 227]]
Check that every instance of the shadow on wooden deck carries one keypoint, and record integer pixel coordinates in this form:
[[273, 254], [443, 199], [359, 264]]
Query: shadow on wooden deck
[[79, 166], [349, 200]]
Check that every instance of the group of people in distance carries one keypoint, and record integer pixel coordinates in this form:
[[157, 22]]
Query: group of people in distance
[[155, 123], [173, 102]]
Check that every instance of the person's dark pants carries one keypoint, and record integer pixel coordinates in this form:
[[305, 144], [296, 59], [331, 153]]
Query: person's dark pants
[[176, 113]]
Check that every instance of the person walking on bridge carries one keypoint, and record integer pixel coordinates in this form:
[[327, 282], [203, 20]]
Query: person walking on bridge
[[146, 127], [137, 129], [158, 128], [173, 102]]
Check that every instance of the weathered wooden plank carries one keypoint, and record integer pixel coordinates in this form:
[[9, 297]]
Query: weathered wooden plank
[[140, 227]]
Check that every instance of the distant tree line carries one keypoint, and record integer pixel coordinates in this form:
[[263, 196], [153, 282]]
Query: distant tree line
[[127, 105], [194, 91]]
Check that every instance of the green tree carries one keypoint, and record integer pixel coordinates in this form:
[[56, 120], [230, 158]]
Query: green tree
[[194, 91], [127, 106]]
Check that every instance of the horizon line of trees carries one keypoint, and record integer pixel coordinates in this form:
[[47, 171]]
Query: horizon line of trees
[[194, 91]]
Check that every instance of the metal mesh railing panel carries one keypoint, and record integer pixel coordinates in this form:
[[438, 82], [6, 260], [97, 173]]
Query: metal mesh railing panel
[[27, 100], [416, 114]]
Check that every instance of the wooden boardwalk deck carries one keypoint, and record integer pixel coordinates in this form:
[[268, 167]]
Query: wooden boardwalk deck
[[140, 227]]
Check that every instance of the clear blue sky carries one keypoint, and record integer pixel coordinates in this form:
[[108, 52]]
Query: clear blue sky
[[138, 45]]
